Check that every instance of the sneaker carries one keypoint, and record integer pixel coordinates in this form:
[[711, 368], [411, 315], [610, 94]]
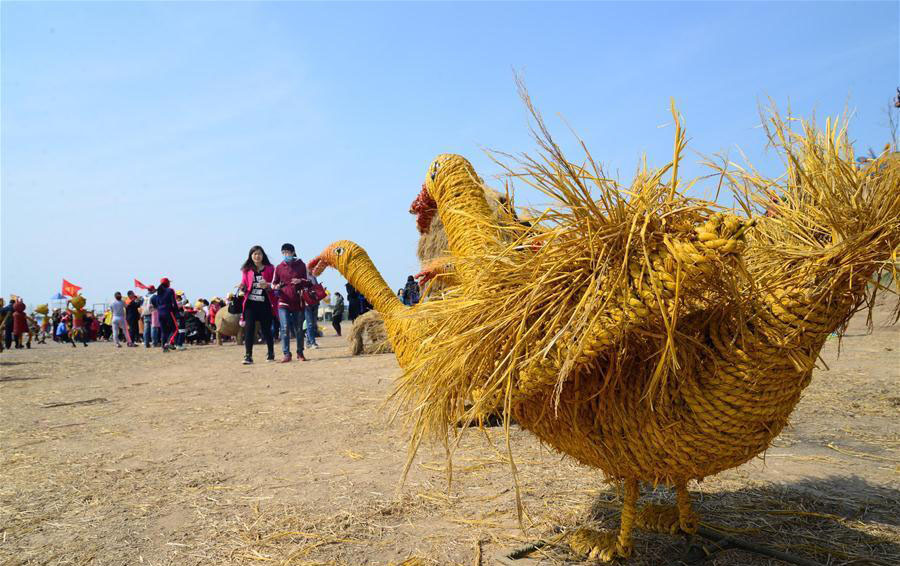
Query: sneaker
[[270, 358], [301, 357], [165, 348], [286, 358], [248, 360], [315, 346], [117, 345], [182, 347]]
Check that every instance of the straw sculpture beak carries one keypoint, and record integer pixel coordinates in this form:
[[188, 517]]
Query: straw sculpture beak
[[318, 264]]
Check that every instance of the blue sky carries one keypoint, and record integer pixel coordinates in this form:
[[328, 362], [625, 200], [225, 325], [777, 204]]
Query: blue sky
[[147, 139]]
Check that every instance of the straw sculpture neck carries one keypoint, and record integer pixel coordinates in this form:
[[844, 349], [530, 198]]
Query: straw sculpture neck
[[465, 213], [355, 265]]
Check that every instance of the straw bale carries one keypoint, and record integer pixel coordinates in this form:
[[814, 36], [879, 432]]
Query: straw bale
[[227, 324], [368, 335]]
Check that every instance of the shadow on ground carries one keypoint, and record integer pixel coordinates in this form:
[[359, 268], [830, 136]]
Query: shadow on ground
[[836, 520]]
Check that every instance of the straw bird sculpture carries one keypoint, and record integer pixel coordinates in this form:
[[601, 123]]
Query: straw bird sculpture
[[638, 330]]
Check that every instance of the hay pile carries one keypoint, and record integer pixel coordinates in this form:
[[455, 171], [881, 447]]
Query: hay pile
[[228, 324], [368, 335]]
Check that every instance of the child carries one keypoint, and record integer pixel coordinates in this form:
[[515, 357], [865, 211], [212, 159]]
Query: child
[[62, 335], [180, 330]]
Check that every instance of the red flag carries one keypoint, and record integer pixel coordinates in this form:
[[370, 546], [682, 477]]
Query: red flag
[[70, 289], [140, 285]]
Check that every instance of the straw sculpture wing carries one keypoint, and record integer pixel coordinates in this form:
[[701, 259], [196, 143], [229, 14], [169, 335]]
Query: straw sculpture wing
[[643, 332]]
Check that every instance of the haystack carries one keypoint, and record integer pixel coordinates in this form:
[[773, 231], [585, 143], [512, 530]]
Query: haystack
[[228, 324], [368, 335]]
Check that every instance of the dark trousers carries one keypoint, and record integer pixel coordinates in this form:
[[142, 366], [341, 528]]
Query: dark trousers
[[133, 330], [167, 326], [336, 323], [262, 314]]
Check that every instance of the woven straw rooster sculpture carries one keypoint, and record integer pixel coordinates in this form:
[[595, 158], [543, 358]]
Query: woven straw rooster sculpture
[[637, 330]]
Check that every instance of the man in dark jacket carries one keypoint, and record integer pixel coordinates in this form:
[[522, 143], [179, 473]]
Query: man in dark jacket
[[411, 292], [132, 315], [290, 276], [352, 302]]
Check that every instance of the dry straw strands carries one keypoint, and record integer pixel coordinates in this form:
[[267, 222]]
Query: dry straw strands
[[641, 331]]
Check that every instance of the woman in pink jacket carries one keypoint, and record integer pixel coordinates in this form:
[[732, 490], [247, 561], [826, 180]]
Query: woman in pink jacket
[[259, 301]]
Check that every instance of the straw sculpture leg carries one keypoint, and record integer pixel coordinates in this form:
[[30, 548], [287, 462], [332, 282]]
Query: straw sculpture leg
[[606, 546], [670, 519]]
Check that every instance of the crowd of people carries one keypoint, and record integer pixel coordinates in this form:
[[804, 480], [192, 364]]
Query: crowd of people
[[274, 302]]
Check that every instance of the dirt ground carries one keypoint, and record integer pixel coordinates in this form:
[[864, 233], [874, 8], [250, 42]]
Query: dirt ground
[[191, 458]]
